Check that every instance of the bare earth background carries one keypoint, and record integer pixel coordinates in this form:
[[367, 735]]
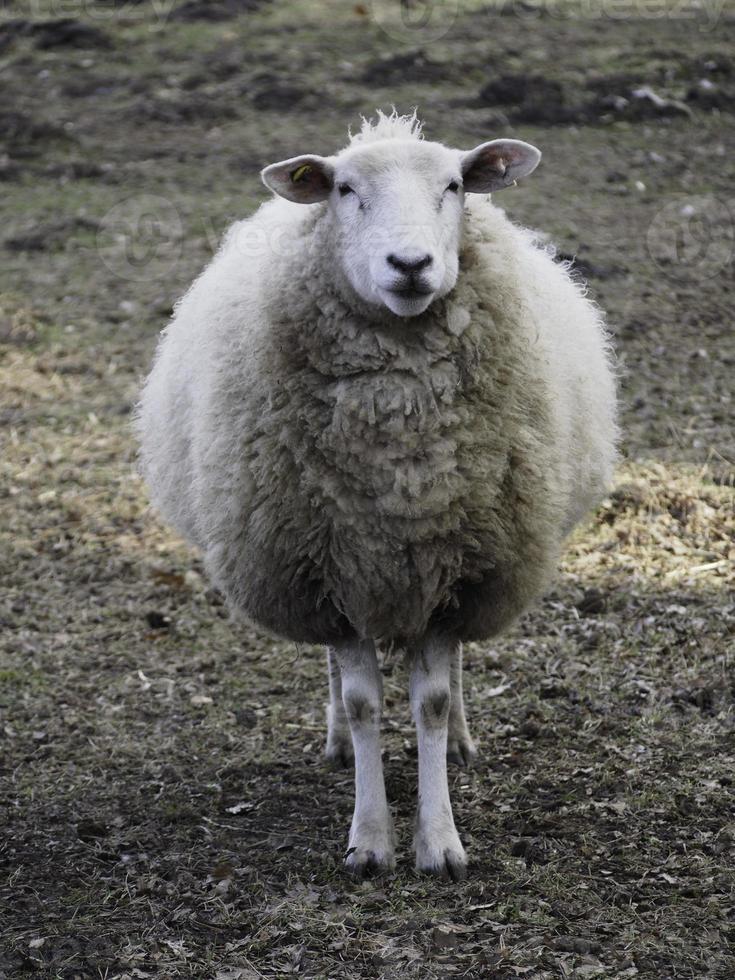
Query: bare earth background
[[166, 811]]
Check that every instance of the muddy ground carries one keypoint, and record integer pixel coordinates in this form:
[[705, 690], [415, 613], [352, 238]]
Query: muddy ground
[[166, 810]]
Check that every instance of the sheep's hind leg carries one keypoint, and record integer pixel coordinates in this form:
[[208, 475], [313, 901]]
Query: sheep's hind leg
[[460, 747], [439, 850], [339, 749], [371, 843]]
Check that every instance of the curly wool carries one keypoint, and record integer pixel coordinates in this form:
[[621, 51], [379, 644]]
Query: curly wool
[[347, 472]]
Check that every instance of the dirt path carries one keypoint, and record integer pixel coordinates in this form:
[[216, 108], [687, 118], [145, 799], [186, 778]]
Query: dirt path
[[166, 809]]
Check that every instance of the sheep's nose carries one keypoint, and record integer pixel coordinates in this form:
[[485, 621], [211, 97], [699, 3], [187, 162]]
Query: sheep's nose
[[409, 265]]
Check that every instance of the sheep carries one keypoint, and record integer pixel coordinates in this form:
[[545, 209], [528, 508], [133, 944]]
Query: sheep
[[378, 412]]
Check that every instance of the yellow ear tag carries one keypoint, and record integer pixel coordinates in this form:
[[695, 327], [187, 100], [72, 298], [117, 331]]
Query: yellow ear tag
[[300, 172]]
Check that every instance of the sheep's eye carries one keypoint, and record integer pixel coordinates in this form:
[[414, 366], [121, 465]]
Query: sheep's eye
[[453, 186], [344, 190]]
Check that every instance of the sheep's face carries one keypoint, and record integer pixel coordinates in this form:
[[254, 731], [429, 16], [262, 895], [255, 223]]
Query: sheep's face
[[396, 207]]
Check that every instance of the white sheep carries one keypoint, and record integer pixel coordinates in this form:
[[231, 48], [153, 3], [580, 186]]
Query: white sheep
[[378, 416]]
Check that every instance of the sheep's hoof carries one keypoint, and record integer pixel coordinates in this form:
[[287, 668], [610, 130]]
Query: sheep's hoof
[[452, 866], [339, 751], [364, 862], [445, 859], [461, 751]]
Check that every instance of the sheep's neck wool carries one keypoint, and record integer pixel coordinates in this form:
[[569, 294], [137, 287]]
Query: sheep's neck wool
[[345, 471], [413, 443]]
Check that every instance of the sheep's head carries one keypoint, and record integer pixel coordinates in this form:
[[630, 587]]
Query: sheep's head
[[396, 207]]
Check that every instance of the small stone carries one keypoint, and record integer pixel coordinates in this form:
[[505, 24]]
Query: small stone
[[442, 938], [592, 603], [157, 620]]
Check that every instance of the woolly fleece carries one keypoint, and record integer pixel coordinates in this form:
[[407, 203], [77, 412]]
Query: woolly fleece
[[347, 472]]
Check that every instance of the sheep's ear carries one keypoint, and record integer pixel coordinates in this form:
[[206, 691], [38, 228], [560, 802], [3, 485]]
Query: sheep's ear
[[499, 163], [305, 180]]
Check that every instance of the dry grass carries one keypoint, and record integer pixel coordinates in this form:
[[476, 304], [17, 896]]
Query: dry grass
[[167, 811], [663, 527], [170, 813]]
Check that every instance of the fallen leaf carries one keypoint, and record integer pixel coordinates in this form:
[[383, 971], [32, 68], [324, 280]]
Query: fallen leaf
[[198, 700], [173, 579], [494, 692], [442, 938], [238, 807]]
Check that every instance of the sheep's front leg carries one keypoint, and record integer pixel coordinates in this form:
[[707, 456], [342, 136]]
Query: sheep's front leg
[[371, 843], [460, 747], [438, 847], [339, 749]]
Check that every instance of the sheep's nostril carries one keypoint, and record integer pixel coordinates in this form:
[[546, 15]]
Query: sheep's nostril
[[407, 265]]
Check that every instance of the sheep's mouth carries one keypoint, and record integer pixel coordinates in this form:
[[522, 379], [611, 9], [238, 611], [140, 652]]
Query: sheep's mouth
[[411, 292], [408, 300]]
